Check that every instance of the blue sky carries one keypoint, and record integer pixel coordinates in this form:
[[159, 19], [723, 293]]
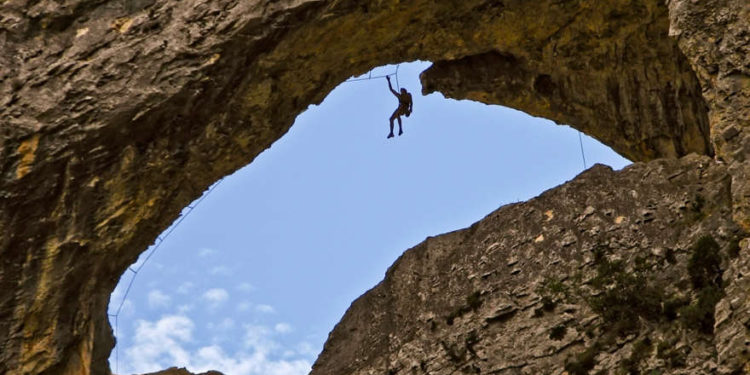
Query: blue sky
[[252, 281]]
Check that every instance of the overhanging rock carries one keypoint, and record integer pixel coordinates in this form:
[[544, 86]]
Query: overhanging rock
[[115, 114]]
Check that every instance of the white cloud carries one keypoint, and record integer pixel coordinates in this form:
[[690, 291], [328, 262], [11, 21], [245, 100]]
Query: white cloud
[[282, 328], [158, 345], [268, 309], [204, 252], [255, 363], [157, 299], [216, 296], [258, 338], [245, 287]]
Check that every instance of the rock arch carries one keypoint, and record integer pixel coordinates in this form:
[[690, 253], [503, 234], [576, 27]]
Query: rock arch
[[115, 114]]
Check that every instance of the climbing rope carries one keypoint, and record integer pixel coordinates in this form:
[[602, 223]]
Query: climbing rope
[[398, 87], [583, 155], [370, 76], [159, 240]]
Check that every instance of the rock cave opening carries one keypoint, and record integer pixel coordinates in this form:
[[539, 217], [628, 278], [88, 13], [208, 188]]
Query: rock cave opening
[[118, 116], [255, 278]]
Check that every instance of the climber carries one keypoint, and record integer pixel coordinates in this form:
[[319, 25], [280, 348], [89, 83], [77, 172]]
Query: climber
[[405, 106]]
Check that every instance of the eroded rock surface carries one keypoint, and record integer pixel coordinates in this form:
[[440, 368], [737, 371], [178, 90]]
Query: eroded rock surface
[[607, 71], [598, 274], [114, 114], [715, 36], [182, 371]]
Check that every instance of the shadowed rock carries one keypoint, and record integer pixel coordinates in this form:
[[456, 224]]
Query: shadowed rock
[[115, 114]]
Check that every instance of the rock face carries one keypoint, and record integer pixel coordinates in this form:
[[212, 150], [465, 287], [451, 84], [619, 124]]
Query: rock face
[[594, 275], [714, 36], [182, 371], [114, 114], [643, 102]]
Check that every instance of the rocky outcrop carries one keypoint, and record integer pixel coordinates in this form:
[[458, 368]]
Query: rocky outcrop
[[606, 71], [714, 36], [653, 105], [116, 113], [182, 371], [613, 272]]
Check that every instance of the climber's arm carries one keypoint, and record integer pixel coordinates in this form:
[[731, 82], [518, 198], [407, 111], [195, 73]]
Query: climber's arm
[[388, 78]]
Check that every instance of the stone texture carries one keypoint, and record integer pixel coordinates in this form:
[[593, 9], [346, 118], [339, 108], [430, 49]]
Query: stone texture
[[114, 114], [475, 300], [608, 72], [715, 37], [182, 371], [733, 314]]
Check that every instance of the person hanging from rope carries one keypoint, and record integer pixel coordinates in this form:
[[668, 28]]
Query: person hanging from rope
[[405, 106]]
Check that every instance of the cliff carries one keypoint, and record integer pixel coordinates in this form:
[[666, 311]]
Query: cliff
[[117, 113], [593, 276]]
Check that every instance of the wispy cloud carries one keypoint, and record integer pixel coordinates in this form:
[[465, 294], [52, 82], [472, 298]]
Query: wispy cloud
[[223, 325], [185, 287], [182, 309], [253, 363], [220, 271], [306, 349], [282, 328], [215, 297], [258, 338], [157, 299], [245, 287], [158, 345], [267, 309], [204, 252]]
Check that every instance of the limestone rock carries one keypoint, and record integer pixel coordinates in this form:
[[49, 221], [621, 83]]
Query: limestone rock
[[607, 294], [114, 114], [714, 36], [182, 371]]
